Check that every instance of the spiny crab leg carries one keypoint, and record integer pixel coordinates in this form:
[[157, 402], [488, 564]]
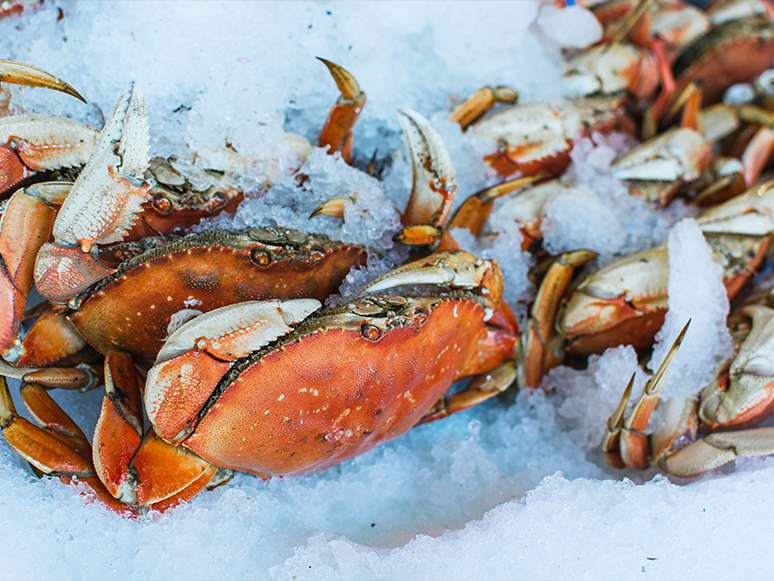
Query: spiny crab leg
[[102, 205], [21, 74], [336, 134], [435, 180], [633, 441]]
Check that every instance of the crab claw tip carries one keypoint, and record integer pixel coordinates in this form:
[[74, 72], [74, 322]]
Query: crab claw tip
[[333, 207], [347, 84], [21, 74]]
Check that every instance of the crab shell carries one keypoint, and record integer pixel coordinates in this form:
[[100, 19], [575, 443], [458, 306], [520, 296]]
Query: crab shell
[[131, 309], [729, 53], [344, 381], [176, 203]]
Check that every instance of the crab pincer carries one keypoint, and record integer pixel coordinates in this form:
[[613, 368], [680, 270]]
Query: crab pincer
[[35, 143], [336, 134], [102, 205]]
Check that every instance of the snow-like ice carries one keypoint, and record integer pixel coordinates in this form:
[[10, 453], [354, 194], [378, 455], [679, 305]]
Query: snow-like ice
[[516, 488]]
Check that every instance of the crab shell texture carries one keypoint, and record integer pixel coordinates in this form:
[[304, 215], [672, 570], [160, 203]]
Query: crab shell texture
[[176, 203], [732, 52], [342, 382], [130, 310]]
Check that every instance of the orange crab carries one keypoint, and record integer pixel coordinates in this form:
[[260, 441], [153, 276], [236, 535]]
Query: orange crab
[[102, 208], [242, 387]]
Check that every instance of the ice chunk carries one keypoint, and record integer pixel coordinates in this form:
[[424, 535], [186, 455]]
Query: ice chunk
[[696, 292], [571, 26]]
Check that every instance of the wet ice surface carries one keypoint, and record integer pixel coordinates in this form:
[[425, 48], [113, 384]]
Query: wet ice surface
[[515, 488]]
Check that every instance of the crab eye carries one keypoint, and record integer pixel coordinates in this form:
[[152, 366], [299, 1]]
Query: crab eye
[[370, 332], [420, 317], [14, 143], [316, 254], [260, 257], [217, 200], [162, 204]]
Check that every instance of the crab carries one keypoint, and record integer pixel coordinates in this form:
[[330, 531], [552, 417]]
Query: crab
[[741, 395], [731, 52], [239, 387], [625, 302], [537, 138], [98, 210]]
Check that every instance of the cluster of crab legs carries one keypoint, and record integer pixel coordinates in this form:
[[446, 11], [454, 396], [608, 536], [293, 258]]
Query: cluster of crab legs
[[238, 382]]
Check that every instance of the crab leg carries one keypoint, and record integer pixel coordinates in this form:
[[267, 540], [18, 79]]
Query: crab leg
[[611, 445], [474, 212], [24, 228], [57, 449], [480, 102], [535, 338], [137, 469], [479, 389], [83, 377], [336, 134], [102, 205], [633, 441], [718, 449]]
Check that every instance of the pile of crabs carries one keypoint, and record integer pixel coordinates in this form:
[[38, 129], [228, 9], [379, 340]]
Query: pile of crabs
[[221, 339]]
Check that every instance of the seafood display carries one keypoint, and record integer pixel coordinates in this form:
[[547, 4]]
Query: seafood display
[[237, 347]]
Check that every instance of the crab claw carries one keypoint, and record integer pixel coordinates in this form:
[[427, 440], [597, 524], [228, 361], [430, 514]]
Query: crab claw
[[21, 74], [659, 166], [453, 268], [747, 395], [337, 131], [196, 356], [435, 180], [634, 442], [108, 194]]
